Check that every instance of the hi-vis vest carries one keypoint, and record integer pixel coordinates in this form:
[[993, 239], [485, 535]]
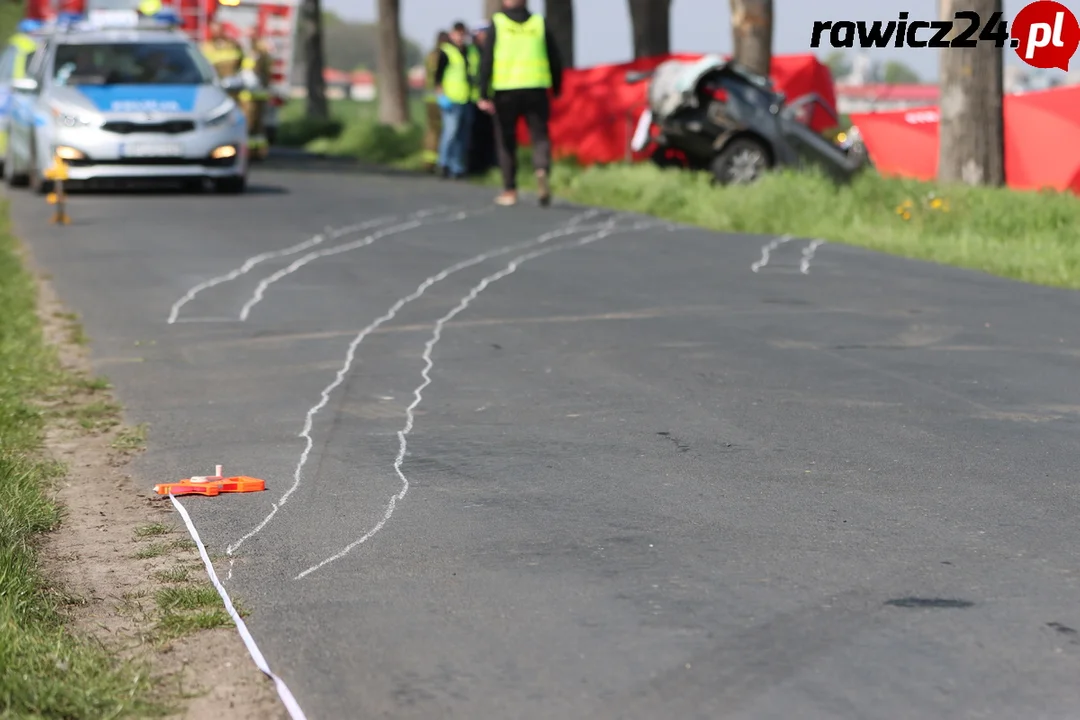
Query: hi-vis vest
[[256, 72], [521, 59], [25, 45], [225, 56], [455, 81], [472, 55]]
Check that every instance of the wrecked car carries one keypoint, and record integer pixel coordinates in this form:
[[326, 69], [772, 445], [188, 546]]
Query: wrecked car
[[715, 115]]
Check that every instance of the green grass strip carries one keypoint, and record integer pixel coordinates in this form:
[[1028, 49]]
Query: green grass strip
[[46, 670]]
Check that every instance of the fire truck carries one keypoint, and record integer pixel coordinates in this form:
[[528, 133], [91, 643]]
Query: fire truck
[[274, 20]]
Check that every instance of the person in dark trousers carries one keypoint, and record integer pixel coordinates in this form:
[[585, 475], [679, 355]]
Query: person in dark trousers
[[432, 111], [453, 88], [519, 67], [482, 144]]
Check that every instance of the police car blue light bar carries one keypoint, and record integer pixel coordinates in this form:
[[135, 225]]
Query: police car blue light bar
[[29, 26]]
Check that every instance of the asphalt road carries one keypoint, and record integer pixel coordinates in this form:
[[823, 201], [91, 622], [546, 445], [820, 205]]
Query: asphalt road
[[644, 480]]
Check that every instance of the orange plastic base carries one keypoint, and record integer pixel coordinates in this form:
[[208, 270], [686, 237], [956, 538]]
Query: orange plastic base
[[214, 486]]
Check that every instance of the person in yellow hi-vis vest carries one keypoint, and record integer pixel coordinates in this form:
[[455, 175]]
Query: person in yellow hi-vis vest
[[149, 8], [224, 53], [520, 66], [431, 104], [257, 69], [24, 45], [453, 90]]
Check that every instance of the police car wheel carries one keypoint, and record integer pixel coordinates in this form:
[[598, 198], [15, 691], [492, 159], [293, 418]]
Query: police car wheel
[[231, 185], [39, 185], [14, 179]]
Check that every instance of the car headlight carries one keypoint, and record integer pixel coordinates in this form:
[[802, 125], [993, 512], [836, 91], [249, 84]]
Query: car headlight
[[221, 114], [73, 119]]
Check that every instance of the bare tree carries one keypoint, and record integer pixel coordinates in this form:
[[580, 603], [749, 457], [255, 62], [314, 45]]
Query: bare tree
[[651, 20], [560, 16], [393, 88], [752, 27], [972, 132], [311, 19]]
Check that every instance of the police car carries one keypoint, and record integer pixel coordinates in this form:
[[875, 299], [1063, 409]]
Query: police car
[[123, 104]]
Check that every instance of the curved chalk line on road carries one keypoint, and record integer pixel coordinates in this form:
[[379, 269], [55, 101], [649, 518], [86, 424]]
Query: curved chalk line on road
[[808, 256], [287, 699], [328, 233], [607, 229], [251, 262], [572, 226], [767, 249], [434, 219]]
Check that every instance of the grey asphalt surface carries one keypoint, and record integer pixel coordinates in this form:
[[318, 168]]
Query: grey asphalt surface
[[645, 481]]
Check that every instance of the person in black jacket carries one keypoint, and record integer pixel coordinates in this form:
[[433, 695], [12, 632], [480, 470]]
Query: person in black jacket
[[517, 72], [482, 155]]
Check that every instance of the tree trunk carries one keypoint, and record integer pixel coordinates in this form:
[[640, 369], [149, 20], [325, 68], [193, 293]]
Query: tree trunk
[[392, 86], [560, 16], [972, 133], [491, 7], [752, 27], [651, 20], [311, 17]]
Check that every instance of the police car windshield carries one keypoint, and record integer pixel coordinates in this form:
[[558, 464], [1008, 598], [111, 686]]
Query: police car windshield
[[129, 64]]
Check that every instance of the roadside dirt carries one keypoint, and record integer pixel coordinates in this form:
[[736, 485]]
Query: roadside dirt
[[119, 546]]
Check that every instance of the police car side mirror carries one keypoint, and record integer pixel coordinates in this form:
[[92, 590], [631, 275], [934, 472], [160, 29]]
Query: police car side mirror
[[25, 85]]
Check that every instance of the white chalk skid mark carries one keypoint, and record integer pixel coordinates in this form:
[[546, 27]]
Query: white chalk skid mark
[[206, 320], [767, 249], [287, 699], [251, 262], [608, 228], [350, 357], [808, 256], [418, 222]]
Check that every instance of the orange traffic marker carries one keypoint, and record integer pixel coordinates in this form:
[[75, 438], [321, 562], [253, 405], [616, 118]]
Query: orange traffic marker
[[211, 485]]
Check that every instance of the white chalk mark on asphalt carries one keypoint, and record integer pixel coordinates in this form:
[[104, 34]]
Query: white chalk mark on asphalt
[[418, 222], [767, 248], [287, 699], [251, 262], [572, 226], [205, 320], [808, 256], [608, 228]]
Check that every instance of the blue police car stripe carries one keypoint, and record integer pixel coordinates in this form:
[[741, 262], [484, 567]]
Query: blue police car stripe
[[142, 98]]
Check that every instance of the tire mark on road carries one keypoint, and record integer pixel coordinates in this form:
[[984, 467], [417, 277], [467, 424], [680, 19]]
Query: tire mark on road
[[266, 282], [609, 228], [251, 262], [572, 226], [808, 256], [767, 249]]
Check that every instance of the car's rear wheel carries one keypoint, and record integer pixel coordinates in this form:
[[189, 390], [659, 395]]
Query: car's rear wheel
[[234, 185], [742, 161], [38, 184], [14, 178]]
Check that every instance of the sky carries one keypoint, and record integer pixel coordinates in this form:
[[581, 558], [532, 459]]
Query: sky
[[603, 26]]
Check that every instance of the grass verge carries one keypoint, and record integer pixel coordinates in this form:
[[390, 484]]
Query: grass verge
[[1020, 235], [46, 669]]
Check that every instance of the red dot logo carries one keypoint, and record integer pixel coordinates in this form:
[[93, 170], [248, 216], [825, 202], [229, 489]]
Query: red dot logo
[[1045, 34]]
